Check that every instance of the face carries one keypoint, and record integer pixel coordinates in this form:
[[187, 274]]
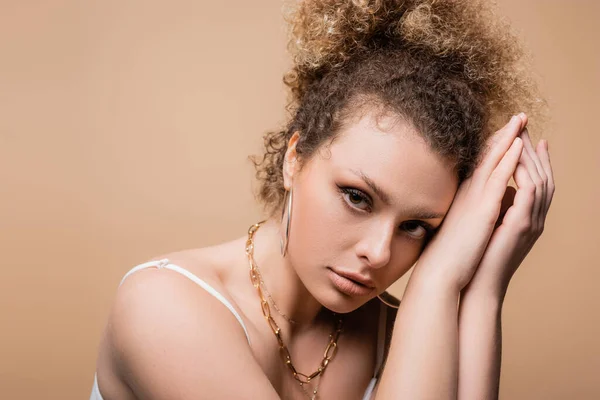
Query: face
[[363, 208]]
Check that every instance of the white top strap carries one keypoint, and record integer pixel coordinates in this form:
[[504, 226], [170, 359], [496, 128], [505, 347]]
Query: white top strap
[[164, 263]]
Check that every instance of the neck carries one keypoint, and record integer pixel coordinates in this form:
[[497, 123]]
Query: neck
[[282, 282]]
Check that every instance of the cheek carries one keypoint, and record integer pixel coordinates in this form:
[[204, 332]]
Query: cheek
[[316, 220], [320, 225]]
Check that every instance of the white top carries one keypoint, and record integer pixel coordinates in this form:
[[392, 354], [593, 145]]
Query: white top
[[164, 263]]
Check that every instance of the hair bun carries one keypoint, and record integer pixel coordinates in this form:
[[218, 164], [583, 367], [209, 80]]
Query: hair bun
[[328, 32], [466, 35], [451, 68]]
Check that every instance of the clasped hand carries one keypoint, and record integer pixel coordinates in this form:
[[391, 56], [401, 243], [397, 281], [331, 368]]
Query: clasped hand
[[491, 226]]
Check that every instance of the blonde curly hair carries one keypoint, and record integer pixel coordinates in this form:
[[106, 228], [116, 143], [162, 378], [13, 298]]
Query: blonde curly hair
[[451, 68]]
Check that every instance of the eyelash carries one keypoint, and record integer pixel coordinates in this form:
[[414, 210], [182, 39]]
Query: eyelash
[[429, 230]]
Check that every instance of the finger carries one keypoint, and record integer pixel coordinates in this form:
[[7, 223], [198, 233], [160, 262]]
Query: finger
[[532, 153], [536, 180], [506, 167], [507, 201], [496, 137], [524, 118], [520, 214], [540, 214], [544, 155], [499, 144]]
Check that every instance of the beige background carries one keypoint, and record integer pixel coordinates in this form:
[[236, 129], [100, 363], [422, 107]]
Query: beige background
[[124, 132]]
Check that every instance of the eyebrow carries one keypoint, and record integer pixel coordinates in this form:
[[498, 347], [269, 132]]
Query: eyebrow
[[385, 198]]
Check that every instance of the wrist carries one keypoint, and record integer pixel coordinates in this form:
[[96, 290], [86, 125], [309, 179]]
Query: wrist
[[437, 281], [491, 297], [446, 271]]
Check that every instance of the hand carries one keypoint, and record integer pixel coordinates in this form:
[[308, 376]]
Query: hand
[[521, 220], [455, 252]]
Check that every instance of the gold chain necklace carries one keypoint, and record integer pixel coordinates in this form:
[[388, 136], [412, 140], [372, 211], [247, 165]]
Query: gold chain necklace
[[264, 288], [313, 395], [331, 348]]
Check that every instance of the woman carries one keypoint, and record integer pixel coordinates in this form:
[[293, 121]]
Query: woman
[[398, 123]]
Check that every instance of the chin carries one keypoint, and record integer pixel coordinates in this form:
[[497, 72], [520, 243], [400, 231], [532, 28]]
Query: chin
[[341, 303]]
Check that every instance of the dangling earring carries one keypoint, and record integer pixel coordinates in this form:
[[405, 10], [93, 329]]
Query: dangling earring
[[286, 234], [389, 300]]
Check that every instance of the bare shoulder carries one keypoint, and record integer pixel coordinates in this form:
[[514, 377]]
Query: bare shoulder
[[168, 339]]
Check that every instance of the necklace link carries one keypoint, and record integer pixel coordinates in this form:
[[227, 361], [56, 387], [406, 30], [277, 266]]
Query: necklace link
[[330, 350]]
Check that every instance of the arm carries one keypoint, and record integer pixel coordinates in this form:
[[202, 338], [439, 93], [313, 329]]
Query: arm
[[423, 359], [520, 224], [480, 345], [424, 347], [170, 340]]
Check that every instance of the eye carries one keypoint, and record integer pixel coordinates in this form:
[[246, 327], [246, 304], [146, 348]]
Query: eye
[[418, 229], [356, 198]]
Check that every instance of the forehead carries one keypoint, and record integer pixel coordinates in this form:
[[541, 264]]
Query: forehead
[[391, 152]]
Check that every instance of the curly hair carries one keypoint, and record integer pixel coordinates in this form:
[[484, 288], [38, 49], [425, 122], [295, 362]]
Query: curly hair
[[451, 68]]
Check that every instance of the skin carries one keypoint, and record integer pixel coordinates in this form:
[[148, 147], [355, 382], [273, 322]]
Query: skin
[[523, 216], [190, 346], [425, 346], [378, 239]]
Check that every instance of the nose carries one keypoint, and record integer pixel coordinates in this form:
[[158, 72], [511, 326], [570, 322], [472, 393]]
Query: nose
[[375, 246]]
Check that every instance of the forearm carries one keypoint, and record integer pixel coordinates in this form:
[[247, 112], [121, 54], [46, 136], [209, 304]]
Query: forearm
[[480, 345], [423, 358]]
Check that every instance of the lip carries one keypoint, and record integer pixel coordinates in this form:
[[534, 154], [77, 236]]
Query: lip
[[350, 284], [355, 277]]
